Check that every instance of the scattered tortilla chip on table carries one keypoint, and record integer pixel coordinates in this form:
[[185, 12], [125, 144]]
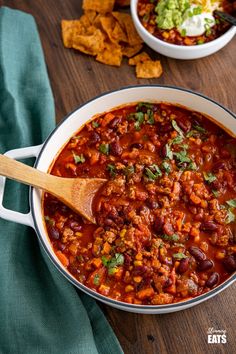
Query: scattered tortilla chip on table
[[149, 69], [68, 30], [111, 55], [129, 51], [89, 44], [127, 25], [101, 6], [140, 58]]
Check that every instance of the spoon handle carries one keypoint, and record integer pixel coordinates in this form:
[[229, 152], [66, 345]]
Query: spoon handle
[[25, 174], [228, 18]]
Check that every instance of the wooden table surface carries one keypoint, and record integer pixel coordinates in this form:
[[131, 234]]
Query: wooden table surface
[[76, 78]]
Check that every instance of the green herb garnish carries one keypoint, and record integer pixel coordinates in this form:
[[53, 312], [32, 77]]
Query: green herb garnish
[[230, 217], [95, 124], [49, 220], [173, 237], [111, 169], [200, 129], [153, 172], [215, 193], [104, 149], [166, 166], [96, 279], [177, 128], [128, 170], [113, 263], [231, 203], [179, 255], [78, 158], [150, 115], [169, 153], [182, 156], [177, 140], [209, 177]]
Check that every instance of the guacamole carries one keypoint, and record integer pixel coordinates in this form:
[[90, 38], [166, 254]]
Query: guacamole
[[171, 13]]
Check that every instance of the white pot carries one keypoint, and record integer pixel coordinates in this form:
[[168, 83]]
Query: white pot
[[179, 51], [47, 152]]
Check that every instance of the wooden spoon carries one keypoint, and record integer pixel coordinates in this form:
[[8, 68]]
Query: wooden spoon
[[76, 193]]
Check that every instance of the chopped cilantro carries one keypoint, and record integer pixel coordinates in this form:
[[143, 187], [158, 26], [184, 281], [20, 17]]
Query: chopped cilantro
[[96, 279], [49, 220], [200, 129], [113, 263], [230, 217], [179, 255], [173, 237], [150, 115], [209, 177], [139, 116], [153, 172], [182, 156], [104, 149], [231, 203], [166, 166], [78, 158], [140, 105], [128, 170], [177, 128], [177, 140], [215, 193], [169, 153], [111, 169], [183, 32], [192, 166], [95, 124]]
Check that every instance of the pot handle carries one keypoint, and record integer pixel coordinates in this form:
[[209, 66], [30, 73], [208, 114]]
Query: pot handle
[[7, 214]]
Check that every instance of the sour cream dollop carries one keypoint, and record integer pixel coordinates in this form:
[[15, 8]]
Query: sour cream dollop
[[196, 25]]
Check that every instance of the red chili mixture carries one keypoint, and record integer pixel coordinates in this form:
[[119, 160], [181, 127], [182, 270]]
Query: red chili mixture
[[166, 228], [148, 17]]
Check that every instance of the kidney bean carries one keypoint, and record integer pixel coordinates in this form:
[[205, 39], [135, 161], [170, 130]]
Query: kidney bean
[[113, 124], [152, 204], [229, 263], [163, 151], [212, 280], [168, 228], [136, 146], [197, 253], [183, 265], [166, 128], [220, 165], [61, 246], [209, 226], [158, 224], [116, 149], [204, 265], [74, 226], [167, 283], [94, 138], [184, 125], [53, 232]]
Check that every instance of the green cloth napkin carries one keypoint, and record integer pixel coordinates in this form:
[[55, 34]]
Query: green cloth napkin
[[40, 311]]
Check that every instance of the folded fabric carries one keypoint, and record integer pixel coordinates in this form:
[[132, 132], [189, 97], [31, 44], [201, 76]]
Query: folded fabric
[[41, 312]]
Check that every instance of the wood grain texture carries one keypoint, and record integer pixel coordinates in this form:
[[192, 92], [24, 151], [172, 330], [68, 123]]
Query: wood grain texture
[[76, 78]]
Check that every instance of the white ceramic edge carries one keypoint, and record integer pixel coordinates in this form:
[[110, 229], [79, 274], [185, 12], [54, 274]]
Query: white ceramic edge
[[176, 51], [11, 215], [74, 121]]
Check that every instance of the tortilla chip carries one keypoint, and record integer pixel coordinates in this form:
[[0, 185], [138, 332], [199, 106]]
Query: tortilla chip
[[101, 6], [140, 58], [149, 69], [123, 2], [89, 44], [111, 55], [91, 15], [118, 34], [68, 29], [108, 24], [127, 25], [130, 51]]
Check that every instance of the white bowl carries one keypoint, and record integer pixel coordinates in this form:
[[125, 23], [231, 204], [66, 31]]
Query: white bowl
[[178, 51], [46, 153]]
